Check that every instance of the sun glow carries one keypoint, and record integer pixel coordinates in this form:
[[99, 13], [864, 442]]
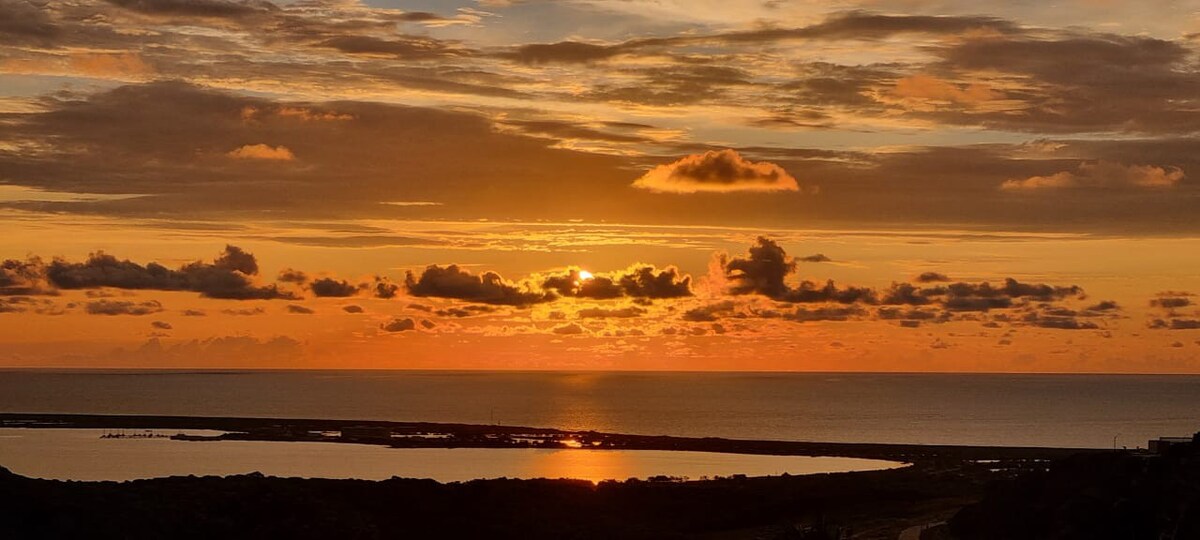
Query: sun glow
[[584, 275]]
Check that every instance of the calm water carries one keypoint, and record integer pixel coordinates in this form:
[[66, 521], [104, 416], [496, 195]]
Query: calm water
[[80, 454], [1045, 410]]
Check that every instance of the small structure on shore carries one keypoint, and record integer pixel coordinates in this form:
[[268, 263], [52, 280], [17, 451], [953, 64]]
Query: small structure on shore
[[1162, 445]]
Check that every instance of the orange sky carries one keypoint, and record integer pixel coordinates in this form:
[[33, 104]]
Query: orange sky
[[417, 185]]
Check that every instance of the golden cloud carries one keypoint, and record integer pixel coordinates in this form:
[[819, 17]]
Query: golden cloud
[[1101, 174], [262, 151], [933, 89], [115, 66], [118, 66], [717, 171]]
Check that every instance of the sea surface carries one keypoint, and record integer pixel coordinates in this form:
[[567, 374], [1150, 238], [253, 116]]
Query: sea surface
[[82, 454], [1095, 411]]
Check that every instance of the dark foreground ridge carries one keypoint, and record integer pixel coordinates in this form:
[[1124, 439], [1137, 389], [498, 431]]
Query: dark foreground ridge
[[1114, 496], [876, 505], [435, 435]]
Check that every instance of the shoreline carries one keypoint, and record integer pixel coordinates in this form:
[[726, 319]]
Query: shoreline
[[451, 435]]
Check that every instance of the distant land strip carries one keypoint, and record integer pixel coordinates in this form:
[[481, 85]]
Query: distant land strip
[[445, 435]]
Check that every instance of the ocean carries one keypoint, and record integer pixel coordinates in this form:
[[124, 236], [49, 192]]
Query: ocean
[[1085, 411]]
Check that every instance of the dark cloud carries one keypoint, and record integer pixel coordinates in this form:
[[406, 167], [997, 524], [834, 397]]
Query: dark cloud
[[1110, 82], [765, 270], [1171, 302], [289, 275], [911, 295], [816, 258], [570, 329], [465, 311], [977, 303], [915, 314], [597, 288], [169, 142], [1175, 324], [858, 25], [382, 288], [299, 310], [618, 313], [229, 276], [638, 281], [410, 47], [119, 142], [571, 284], [118, 307], [1170, 319], [1059, 322], [103, 293], [23, 22], [246, 312], [352, 309], [161, 325], [810, 292], [198, 8], [710, 312], [649, 282], [820, 86], [673, 85], [983, 296], [454, 282], [564, 52], [400, 325], [26, 304], [1013, 289], [1104, 305], [7, 305], [23, 277], [330, 287], [931, 277], [844, 26], [418, 16], [826, 313]]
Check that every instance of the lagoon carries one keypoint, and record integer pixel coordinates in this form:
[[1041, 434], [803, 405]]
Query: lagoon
[[82, 454]]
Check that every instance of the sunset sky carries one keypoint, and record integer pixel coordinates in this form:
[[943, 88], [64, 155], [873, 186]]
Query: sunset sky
[[849, 185]]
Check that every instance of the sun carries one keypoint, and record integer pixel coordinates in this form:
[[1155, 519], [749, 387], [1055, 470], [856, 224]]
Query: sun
[[584, 275]]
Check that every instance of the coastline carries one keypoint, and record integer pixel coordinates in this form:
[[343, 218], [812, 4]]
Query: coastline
[[448, 435]]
